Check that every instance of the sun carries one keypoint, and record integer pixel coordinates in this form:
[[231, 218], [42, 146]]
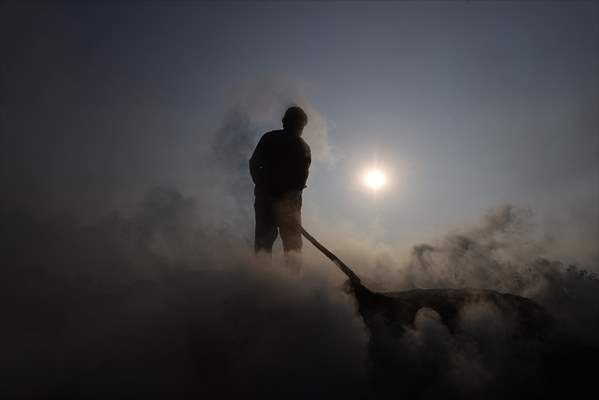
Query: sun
[[375, 179]]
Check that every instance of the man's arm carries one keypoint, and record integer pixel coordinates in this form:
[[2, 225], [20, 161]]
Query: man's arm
[[256, 162], [306, 161]]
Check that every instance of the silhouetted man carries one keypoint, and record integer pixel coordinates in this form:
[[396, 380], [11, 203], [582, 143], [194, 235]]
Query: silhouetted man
[[279, 168]]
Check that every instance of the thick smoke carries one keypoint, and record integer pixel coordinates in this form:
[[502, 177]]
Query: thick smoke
[[168, 301], [156, 305], [486, 354], [503, 254]]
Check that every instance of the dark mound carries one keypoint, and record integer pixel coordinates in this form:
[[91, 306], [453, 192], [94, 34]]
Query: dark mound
[[399, 308], [468, 343]]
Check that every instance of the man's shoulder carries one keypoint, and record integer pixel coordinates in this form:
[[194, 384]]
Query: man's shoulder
[[271, 135]]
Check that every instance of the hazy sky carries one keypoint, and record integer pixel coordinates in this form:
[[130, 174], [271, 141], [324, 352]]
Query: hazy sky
[[469, 105]]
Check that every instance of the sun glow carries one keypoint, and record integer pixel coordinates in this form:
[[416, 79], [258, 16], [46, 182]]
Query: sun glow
[[375, 179]]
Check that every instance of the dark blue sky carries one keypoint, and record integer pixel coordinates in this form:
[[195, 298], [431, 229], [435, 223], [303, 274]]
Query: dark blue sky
[[468, 105]]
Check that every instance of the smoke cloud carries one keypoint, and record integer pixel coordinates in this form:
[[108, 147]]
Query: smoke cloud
[[144, 305], [166, 300]]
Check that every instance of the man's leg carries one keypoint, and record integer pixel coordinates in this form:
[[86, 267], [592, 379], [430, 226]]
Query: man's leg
[[289, 220], [266, 228]]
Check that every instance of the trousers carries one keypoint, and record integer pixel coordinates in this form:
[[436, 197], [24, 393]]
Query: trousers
[[278, 215]]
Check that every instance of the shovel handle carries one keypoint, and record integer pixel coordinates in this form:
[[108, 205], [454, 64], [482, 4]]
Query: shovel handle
[[340, 264]]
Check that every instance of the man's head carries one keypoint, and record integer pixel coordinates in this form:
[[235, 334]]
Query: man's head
[[294, 120]]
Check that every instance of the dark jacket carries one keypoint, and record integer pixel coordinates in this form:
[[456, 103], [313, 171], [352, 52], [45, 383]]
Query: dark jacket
[[280, 163]]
